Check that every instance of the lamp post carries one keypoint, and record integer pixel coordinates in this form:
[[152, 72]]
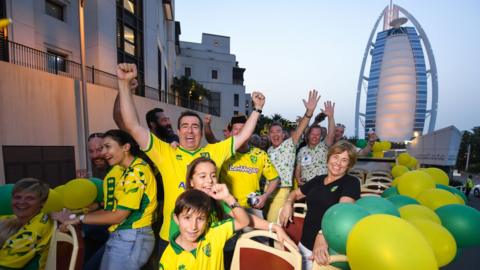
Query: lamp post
[[81, 5]]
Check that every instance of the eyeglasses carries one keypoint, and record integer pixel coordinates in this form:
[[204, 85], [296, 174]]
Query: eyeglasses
[[95, 135]]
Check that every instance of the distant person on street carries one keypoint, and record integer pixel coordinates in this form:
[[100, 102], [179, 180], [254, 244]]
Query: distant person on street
[[468, 185]]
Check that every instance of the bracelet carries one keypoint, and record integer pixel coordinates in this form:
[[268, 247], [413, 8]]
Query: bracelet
[[307, 116], [270, 227], [257, 110]]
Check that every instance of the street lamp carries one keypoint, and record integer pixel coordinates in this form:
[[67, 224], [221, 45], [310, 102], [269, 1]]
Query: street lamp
[[81, 5]]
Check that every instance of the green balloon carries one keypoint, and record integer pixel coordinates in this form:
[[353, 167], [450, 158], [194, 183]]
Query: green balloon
[[401, 200], [361, 143], [452, 190], [99, 185], [337, 223], [462, 222], [6, 199], [378, 205], [389, 192], [341, 265]]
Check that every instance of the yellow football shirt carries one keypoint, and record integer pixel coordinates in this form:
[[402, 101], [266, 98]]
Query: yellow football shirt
[[172, 164], [207, 255], [242, 172], [135, 190], [30, 242]]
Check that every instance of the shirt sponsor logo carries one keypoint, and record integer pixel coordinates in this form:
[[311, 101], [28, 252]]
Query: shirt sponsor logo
[[181, 185], [243, 169]]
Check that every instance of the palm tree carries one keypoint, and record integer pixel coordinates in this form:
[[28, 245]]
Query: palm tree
[[190, 93]]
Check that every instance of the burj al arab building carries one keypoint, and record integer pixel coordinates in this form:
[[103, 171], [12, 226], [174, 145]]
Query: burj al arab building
[[402, 80]]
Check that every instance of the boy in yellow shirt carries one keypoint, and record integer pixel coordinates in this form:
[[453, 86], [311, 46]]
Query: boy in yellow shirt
[[199, 244]]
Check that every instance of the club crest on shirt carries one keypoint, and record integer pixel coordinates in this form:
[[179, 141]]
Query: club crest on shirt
[[44, 219], [205, 155], [207, 250], [333, 188], [253, 159]]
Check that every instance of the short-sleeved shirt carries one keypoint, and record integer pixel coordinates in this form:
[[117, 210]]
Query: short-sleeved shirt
[[30, 242], [283, 158], [174, 230], [134, 190], [173, 162], [313, 161], [320, 197], [207, 255], [242, 173]]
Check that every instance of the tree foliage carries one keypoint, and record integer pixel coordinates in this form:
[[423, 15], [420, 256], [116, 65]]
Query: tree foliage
[[471, 138]]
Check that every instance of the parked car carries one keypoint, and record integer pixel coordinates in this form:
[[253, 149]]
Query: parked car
[[476, 191]]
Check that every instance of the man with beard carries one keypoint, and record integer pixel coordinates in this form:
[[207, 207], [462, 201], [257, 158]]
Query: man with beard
[[160, 125], [95, 147]]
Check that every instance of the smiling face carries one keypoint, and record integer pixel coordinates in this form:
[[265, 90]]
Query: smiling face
[[314, 136], [338, 164], [204, 176], [26, 204], [95, 148], [190, 133], [275, 135], [191, 224], [114, 153]]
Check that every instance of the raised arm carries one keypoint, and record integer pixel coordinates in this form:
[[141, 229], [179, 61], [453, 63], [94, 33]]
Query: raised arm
[[117, 115], [258, 100], [209, 136], [241, 217], [329, 110], [126, 73], [310, 106]]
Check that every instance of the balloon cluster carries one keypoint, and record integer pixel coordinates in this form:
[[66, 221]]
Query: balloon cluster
[[75, 194], [377, 147], [420, 223]]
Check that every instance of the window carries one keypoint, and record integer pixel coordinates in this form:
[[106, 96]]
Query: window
[[129, 5], [188, 72], [235, 112], [56, 62], [235, 100], [54, 9], [129, 40], [214, 74]]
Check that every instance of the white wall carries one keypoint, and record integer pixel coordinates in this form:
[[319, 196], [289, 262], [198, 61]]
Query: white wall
[[38, 108]]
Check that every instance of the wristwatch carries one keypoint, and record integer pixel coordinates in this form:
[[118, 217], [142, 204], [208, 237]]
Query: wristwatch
[[235, 204], [257, 110]]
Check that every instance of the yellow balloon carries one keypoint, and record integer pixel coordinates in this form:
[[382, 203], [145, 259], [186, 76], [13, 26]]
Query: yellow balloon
[[54, 202], [377, 147], [415, 182], [379, 242], [438, 175], [440, 240], [459, 199], [403, 159], [398, 170], [386, 145], [78, 193], [414, 211], [378, 154], [59, 189], [412, 164], [434, 198], [395, 181]]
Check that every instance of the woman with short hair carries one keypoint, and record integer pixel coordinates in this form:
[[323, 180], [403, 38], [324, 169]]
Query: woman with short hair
[[321, 193], [24, 237]]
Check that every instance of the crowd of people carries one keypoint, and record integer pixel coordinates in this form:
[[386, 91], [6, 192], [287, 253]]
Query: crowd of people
[[172, 203]]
